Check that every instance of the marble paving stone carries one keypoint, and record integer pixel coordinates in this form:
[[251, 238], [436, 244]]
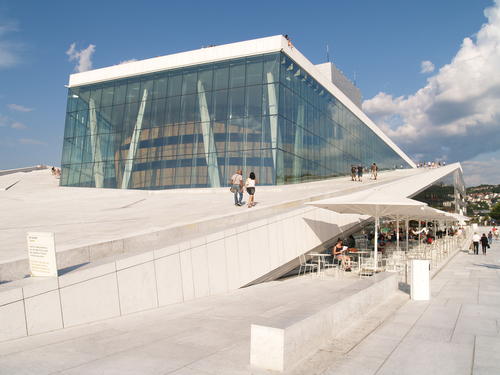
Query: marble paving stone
[[148, 359], [440, 316], [43, 312], [355, 365], [244, 258], [89, 301], [105, 249], [133, 260], [481, 311], [85, 273], [166, 251], [187, 275], [417, 356], [236, 358], [431, 333], [39, 285], [481, 326], [259, 252], [199, 261], [45, 360], [375, 346], [391, 329], [12, 321], [482, 370], [232, 262], [137, 287], [487, 352], [217, 267], [169, 280], [9, 295], [73, 257]]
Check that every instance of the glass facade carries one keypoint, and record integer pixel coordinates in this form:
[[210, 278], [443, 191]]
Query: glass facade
[[194, 126], [446, 194]]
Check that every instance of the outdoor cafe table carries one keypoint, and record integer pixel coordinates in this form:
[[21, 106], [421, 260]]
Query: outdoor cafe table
[[358, 254], [320, 260]]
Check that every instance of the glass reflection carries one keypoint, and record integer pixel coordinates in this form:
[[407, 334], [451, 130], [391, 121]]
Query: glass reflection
[[193, 127]]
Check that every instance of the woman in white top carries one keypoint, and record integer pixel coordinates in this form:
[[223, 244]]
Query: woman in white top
[[250, 187]]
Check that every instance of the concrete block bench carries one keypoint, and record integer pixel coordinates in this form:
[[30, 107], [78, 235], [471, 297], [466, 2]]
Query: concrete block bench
[[284, 341]]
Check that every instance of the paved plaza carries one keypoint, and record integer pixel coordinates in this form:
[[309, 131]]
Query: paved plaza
[[83, 216], [457, 332]]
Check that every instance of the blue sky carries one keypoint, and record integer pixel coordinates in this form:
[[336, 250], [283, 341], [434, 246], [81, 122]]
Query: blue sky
[[383, 43]]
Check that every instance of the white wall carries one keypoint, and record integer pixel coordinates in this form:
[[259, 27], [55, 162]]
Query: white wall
[[203, 266]]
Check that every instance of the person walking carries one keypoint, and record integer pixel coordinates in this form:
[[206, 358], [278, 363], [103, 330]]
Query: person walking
[[374, 170], [484, 243], [250, 187], [360, 173], [490, 238], [475, 243], [236, 183]]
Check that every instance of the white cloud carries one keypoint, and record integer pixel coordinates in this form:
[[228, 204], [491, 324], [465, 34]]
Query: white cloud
[[482, 169], [126, 61], [18, 125], [19, 108], [8, 49], [426, 67], [31, 141], [456, 115], [83, 57]]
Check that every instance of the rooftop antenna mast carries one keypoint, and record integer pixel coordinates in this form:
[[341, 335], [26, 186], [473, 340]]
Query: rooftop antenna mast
[[327, 53], [355, 79]]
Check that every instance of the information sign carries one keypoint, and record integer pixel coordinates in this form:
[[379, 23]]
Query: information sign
[[42, 254]]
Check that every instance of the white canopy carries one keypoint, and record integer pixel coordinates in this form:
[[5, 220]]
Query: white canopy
[[426, 213], [376, 205], [371, 206]]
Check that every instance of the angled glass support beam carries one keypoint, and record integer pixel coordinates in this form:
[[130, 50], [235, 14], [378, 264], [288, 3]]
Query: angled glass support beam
[[96, 146], [208, 138], [273, 112], [298, 144], [134, 141]]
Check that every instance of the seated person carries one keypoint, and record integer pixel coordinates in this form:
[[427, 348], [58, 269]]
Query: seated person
[[381, 245], [338, 252]]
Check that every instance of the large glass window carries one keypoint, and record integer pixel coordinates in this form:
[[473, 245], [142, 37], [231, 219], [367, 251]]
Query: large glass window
[[193, 127]]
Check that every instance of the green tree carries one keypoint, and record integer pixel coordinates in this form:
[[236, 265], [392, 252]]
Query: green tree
[[495, 212]]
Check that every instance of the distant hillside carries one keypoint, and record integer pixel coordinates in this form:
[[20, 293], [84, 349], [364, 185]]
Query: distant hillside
[[484, 189]]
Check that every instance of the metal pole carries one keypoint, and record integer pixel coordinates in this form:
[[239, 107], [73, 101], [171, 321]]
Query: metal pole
[[397, 232], [407, 229], [375, 247], [419, 229]]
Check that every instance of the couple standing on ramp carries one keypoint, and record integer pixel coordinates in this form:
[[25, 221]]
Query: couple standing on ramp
[[237, 188]]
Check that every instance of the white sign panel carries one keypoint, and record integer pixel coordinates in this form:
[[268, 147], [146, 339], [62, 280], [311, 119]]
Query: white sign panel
[[42, 254]]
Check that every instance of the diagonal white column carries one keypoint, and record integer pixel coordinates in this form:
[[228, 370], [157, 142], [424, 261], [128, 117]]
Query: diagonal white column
[[95, 143], [134, 141], [208, 138], [273, 112], [298, 144]]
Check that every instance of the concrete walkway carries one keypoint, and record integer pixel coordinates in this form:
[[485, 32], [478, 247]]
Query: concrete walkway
[[457, 332], [84, 216], [205, 336]]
